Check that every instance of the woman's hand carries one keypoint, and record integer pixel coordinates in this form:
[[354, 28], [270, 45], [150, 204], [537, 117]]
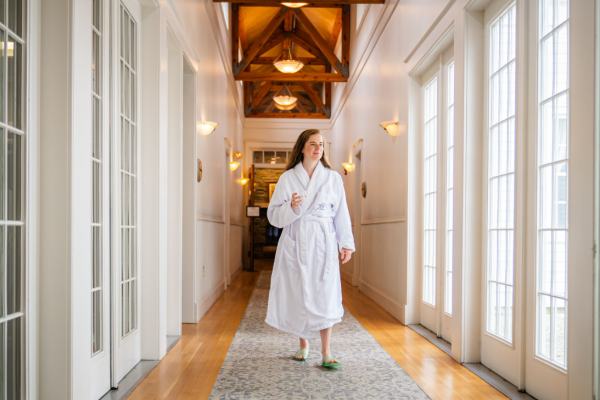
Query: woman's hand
[[346, 255], [296, 200]]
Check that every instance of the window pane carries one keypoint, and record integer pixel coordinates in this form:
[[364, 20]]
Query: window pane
[[14, 177], [2, 287], [545, 313], [125, 253], [14, 83], [3, 44], [13, 269], [96, 138], [97, 13], [13, 359], [124, 309], [257, 157], [15, 17], [133, 313], [269, 157], [2, 355], [96, 192], [96, 321], [559, 310], [281, 157], [96, 63], [96, 256]]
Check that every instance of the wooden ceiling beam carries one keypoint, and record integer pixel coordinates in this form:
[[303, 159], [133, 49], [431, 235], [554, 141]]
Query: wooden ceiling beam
[[323, 46], [274, 41], [235, 35], [305, 44], [259, 42], [242, 35], [309, 5], [287, 27], [337, 28], [346, 36], [259, 97], [314, 96], [275, 3], [289, 115], [305, 60], [297, 77]]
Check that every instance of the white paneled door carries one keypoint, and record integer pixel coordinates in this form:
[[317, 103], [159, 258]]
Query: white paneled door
[[100, 259], [437, 166], [125, 162]]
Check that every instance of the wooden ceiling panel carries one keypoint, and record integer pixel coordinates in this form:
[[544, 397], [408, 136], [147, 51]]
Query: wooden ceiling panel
[[264, 32]]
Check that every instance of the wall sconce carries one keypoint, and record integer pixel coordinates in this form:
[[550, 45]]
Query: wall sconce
[[348, 166], [207, 127], [238, 155], [233, 165], [390, 127], [243, 181]]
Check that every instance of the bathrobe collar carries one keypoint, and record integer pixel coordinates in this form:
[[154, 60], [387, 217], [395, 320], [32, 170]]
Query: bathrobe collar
[[311, 185]]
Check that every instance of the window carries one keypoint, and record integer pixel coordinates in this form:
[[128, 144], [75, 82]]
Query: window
[[429, 191], [279, 157], [97, 289], [449, 185], [12, 169], [128, 177], [501, 175], [553, 180], [225, 8]]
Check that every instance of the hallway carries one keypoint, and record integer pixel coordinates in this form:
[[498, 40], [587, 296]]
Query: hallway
[[437, 162], [190, 369]]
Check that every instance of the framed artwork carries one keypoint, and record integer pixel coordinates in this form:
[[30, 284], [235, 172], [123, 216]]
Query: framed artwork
[[271, 190]]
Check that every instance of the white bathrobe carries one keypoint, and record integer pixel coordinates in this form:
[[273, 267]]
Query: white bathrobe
[[306, 291]]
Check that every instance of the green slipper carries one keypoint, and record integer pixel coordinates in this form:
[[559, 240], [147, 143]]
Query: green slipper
[[301, 353], [327, 364]]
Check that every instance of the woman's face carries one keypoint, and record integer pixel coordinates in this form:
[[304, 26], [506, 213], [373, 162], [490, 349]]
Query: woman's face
[[313, 148]]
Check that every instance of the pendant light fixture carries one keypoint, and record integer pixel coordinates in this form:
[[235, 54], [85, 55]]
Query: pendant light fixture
[[294, 5], [288, 65], [284, 100]]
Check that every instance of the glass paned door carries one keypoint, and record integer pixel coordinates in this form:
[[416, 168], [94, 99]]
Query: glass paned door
[[128, 173], [430, 143], [12, 177], [553, 181], [100, 343], [449, 186], [501, 175]]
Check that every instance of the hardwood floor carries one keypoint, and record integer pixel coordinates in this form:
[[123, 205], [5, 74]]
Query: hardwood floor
[[190, 369]]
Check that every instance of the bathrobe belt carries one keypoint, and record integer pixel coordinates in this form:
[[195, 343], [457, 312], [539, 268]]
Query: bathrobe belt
[[323, 221]]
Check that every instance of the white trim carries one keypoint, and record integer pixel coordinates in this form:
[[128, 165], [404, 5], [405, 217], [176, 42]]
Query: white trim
[[210, 219], [386, 302], [207, 301], [383, 221]]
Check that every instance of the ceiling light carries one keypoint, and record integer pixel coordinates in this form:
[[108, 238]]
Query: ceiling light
[[288, 65], [207, 127], [284, 99], [294, 5], [390, 127]]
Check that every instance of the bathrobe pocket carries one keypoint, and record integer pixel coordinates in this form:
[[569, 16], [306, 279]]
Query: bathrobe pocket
[[285, 258]]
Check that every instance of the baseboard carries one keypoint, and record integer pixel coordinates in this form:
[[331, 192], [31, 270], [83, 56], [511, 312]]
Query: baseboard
[[386, 302], [346, 276], [235, 273], [208, 300]]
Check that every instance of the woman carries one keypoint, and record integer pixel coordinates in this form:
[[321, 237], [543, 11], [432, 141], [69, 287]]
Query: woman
[[306, 292]]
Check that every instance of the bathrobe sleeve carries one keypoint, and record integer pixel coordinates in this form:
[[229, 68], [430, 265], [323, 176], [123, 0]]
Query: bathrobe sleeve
[[341, 221], [280, 213]]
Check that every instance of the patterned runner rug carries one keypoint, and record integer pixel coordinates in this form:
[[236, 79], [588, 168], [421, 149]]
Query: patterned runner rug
[[259, 363]]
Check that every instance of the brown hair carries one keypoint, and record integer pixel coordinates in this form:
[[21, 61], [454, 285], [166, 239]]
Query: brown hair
[[297, 155]]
